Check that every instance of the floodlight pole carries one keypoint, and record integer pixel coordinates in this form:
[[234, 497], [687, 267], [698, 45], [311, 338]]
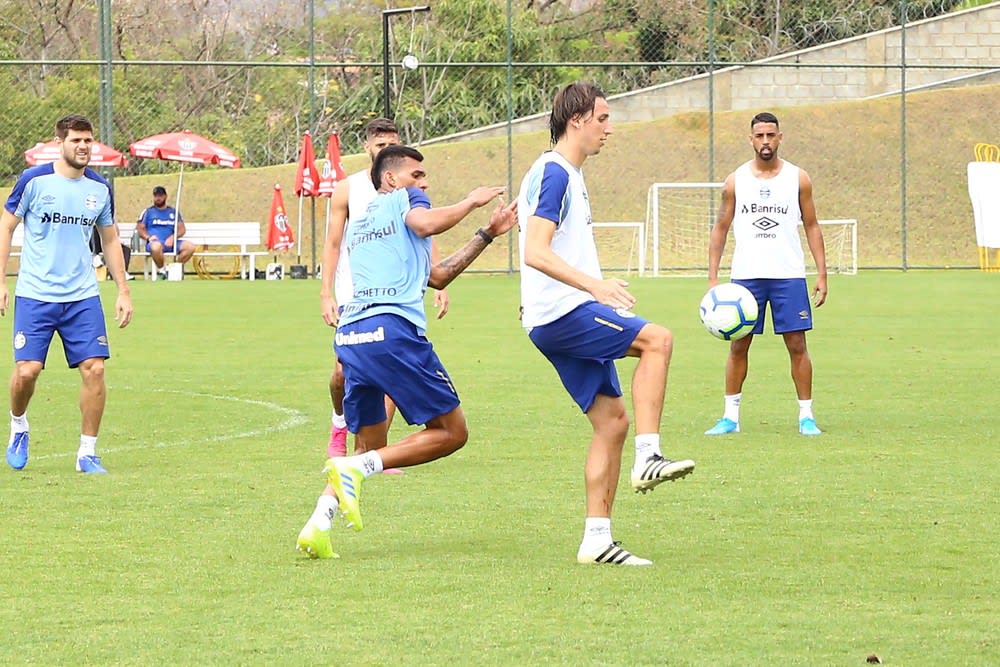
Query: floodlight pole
[[386, 13]]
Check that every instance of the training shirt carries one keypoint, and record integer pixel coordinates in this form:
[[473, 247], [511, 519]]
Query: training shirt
[[160, 221], [359, 196], [554, 189], [766, 225], [59, 215], [390, 263]]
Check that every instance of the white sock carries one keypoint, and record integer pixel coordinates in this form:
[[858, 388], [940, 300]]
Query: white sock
[[369, 463], [805, 409], [596, 533], [733, 407], [646, 445], [88, 446], [338, 420], [322, 516], [19, 424]]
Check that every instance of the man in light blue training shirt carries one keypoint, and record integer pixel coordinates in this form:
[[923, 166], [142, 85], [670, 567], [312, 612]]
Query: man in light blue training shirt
[[381, 340], [61, 204]]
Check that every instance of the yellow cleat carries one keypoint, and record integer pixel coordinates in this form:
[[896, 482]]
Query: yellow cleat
[[346, 483], [315, 542]]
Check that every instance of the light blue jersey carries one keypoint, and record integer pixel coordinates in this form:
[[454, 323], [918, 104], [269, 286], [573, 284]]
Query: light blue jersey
[[390, 263], [59, 215]]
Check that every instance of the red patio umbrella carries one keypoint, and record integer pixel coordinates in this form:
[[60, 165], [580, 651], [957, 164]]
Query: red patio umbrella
[[184, 147], [100, 155]]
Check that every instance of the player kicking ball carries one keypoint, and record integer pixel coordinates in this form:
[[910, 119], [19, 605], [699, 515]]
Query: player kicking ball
[[381, 340], [582, 323]]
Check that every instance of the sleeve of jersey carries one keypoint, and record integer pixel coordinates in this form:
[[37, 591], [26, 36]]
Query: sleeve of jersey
[[418, 198], [16, 195], [552, 193]]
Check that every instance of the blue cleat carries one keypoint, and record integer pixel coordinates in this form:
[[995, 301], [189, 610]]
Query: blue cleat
[[91, 465], [17, 450], [807, 426], [724, 426]]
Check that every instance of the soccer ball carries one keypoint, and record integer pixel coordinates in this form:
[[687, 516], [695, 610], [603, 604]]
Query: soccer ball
[[729, 311]]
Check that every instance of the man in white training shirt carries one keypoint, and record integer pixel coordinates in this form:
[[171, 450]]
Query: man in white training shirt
[[764, 201], [582, 322]]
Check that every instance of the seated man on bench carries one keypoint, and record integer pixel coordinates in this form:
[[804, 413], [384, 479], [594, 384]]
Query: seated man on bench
[[156, 227]]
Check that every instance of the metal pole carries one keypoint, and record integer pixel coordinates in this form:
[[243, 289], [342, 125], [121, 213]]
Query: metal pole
[[105, 120], [312, 120], [386, 13]]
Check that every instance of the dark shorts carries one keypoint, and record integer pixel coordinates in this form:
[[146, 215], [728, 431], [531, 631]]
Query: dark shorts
[[80, 325], [789, 299], [384, 355], [583, 345]]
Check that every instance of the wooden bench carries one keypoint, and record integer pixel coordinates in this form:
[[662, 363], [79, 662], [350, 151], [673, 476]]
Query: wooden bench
[[213, 239]]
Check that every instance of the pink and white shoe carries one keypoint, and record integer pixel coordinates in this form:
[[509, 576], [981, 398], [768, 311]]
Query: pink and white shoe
[[338, 442]]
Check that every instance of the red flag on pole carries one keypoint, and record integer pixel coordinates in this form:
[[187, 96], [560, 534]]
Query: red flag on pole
[[306, 177], [279, 232], [333, 168]]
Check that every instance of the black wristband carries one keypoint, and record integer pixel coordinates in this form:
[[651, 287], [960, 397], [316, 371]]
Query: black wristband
[[484, 236]]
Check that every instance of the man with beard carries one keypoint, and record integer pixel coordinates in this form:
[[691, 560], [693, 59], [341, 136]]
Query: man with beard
[[61, 204], [764, 201]]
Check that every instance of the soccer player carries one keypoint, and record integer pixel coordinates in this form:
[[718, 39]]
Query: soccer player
[[582, 322], [764, 201], [349, 202], [380, 338], [61, 204]]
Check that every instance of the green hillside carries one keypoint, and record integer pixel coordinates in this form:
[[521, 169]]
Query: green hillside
[[852, 150]]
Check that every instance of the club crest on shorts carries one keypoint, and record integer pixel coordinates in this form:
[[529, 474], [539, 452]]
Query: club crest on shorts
[[624, 312], [19, 340]]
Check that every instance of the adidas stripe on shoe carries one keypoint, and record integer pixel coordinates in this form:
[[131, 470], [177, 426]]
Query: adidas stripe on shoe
[[656, 469], [613, 554]]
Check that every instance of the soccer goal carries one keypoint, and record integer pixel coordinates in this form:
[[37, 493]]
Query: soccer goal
[[621, 246], [679, 219]]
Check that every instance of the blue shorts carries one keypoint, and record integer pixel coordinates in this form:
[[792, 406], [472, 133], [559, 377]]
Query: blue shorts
[[789, 299], [384, 355], [583, 345], [80, 325], [168, 249]]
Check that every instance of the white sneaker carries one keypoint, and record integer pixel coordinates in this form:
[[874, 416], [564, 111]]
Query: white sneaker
[[646, 476], [613, 554]]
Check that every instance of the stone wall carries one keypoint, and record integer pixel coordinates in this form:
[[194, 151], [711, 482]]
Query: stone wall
[[944, 51]]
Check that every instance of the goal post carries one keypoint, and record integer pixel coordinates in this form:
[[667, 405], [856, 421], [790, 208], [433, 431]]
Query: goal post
[[621, 246], [679, 220]]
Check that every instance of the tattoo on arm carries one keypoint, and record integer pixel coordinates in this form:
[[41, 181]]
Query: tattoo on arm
[[448, 268]]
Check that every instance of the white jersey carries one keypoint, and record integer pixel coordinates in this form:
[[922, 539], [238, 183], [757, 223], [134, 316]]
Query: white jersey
[[554, 189], [766, 225], [360, 195]]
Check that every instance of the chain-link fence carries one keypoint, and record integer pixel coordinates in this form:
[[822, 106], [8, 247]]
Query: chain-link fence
[[880, 101]]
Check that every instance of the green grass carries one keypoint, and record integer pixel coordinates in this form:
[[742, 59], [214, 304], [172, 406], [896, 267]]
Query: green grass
[[880, 536]]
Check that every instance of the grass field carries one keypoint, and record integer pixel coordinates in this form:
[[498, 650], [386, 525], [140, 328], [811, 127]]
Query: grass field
[[878, 537]]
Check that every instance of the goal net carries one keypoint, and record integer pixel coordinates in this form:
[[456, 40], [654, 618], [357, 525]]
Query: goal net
[[679, 219], [621, 246]]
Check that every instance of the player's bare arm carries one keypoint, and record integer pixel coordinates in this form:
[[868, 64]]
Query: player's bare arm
[[502, 220], [430, 221], [538, 254], [814, 236], [331, 251], [115, 259], [720, 230], [8, 222]]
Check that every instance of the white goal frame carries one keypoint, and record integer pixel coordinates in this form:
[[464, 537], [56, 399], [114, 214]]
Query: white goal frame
[[638, 242], [841, 249]]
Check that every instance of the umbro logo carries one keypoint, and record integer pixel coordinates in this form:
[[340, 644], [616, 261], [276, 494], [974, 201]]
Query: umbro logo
[[764, 224], [803, 314]]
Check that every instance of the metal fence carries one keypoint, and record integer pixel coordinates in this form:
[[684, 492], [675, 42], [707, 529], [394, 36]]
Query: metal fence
[[926, 72]]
